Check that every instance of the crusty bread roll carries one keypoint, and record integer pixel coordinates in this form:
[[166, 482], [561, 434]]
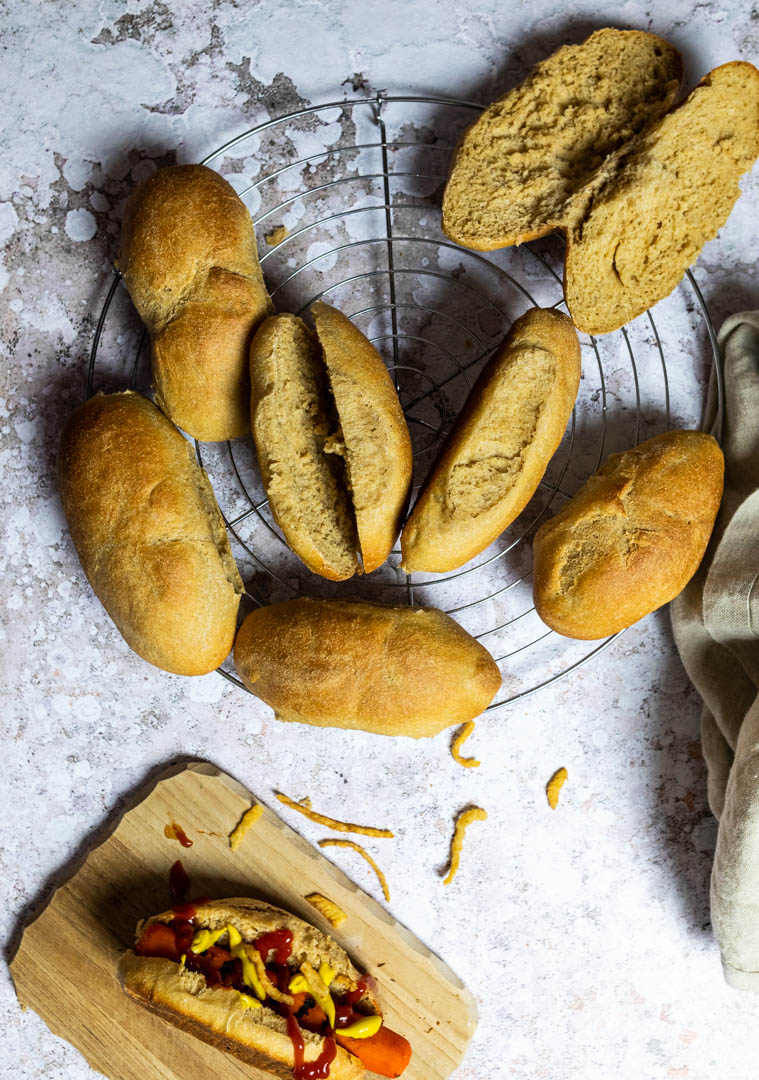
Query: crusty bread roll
[[290, 423], [389, 670], [216, 1014], [332, 443], [657, 203], [631, 538], [518, 169], [148, 532], [497, 454], [373, 433], [189, 259]]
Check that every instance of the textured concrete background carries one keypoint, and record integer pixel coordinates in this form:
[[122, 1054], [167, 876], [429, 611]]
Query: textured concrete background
[[584, 933]]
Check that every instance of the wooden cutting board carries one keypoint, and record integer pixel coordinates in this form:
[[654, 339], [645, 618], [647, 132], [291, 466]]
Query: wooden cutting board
[[64, 967]]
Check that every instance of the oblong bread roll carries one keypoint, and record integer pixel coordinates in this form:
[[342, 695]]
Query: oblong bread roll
[[148, 532], [631, 538], [216, 1015], [389, 670], [374, 436], [662, 199], [518, 170], [494, 459], [289, 410], [189, 259]]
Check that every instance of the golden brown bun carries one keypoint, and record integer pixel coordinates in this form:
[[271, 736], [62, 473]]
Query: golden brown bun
[[189, 259], [215, 1015], [305, 487], [517, 170], [493, 461], [376, 441], [661, 199], [332, 442], [148, 532], [631, 538], [392, 671]]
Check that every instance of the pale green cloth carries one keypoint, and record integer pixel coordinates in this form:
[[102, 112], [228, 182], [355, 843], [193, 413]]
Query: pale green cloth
[[716, 626]]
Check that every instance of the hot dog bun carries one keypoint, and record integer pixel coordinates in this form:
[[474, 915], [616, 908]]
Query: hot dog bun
[[148, 532], [216, 1013], [493, 461], [189, 259], [631, 538], [389, 670], [332, 442]]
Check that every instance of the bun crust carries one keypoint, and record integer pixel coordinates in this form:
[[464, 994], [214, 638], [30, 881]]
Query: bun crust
[[392, 671], [492, 463], [631, 538], [149, 534], [189, 259]]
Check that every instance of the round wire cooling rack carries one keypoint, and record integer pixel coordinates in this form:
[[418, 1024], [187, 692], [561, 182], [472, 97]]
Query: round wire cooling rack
[[346, 201]]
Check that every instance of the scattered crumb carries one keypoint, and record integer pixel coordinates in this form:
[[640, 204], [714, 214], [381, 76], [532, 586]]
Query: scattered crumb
[[276, 236], [554, 786], [250, 817]]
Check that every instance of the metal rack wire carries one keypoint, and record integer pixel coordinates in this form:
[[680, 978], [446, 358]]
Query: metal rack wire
[[354, 187]]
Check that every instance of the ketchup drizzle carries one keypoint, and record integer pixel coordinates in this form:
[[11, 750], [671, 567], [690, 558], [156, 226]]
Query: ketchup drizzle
[[176, 832], [309, 1070], [280, 942], [179, 884]]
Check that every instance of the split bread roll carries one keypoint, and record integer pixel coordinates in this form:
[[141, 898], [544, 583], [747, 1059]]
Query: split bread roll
[[518, 169], [226, 971], [388, 670], [189, 259], [149, 534], [497, 454], [331, 439], [657, 204], [631, 539]]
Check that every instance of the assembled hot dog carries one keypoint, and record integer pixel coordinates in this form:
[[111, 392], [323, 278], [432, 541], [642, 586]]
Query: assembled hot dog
[[265, 986]]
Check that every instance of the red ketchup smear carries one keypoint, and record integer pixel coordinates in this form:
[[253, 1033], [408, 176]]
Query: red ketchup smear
[[309, 1070], [355, 995], [176, 832], [280, 942], [344, 1016], [179, 886]]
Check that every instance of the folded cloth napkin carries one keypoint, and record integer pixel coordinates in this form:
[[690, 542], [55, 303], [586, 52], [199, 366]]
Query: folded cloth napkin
[[716, 626]]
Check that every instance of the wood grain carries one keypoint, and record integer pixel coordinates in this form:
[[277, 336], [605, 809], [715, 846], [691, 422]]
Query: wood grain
[[64, 967]]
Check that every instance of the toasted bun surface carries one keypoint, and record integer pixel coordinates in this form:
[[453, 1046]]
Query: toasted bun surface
[[392, 671], [376, 441], [657, 205], [518, 169], [148, 532], [290, 422], [215, 1015], [497, 454], [632, 537], [189, 259]]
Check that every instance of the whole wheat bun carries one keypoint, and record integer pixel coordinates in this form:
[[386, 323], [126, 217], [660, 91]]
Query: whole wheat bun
[[148, 532], [656, 204], [374, 436], [494, 459], [631, 538], [189, 259], [518, 169], [215, 1015], [388, 670], [331, 439]]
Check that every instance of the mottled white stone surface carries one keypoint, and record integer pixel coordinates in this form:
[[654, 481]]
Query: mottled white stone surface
[[583, 933]]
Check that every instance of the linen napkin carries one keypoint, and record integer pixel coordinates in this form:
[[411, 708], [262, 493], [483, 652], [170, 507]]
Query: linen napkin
[[716, 626]]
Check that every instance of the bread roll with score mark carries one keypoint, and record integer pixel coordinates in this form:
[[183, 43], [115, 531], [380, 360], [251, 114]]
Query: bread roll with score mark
[[388, 670], [493, 461], [200, 965], [189, 259], [149, 534], [631, 539]]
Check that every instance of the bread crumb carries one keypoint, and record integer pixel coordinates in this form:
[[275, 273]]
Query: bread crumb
[[276, 236]]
